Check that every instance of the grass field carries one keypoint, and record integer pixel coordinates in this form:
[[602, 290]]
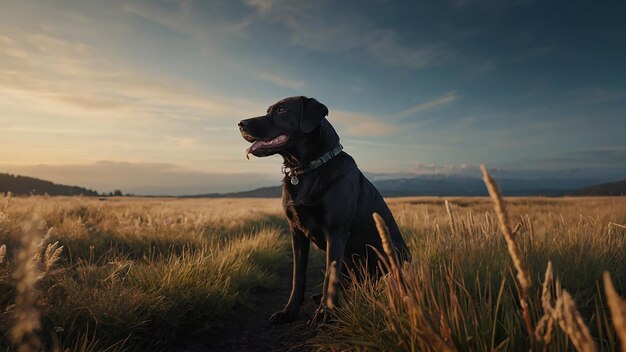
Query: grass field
[[138, 274]]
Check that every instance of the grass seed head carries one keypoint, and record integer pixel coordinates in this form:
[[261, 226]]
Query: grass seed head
[[3, 252], [523, 275], [572, 323], [450, 217], [27, 318], [385, 238], [52, 255], [617, 306]]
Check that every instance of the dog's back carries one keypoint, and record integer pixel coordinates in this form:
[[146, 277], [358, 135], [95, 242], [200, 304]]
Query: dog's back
[[363, 232]]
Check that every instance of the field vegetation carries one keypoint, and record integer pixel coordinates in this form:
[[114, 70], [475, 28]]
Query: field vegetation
[[136, 274], [84, 274], [536, 278]]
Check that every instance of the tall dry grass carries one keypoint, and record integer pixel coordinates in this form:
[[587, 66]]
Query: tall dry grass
[[470, 285], [26, 316], [519, 261], [130, 274], [142, 273], [617, 306]]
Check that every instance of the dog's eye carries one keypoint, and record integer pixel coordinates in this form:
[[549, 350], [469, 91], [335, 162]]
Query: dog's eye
[[281, 109]]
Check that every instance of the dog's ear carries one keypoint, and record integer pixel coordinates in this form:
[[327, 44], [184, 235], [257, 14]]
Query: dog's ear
[[312, 114]]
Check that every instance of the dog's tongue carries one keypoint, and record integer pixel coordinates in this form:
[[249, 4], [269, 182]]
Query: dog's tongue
[[256, 145], [259, 144]]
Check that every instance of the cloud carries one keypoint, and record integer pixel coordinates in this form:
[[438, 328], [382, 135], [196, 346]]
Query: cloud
[[264, 6], [608, 156], [73, 75], [316, 27], [462, 169], [447, 98], [486, 4], [182, 141], [532, 53], [481, 68], [63, 100], [184, 18], [385, 47], [356, 124], [601, 96], [46, 131], [177, 17], [553, 168], [391, 144], [280, 80]]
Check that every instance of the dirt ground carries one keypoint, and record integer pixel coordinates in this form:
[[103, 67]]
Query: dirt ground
[[247, 329]]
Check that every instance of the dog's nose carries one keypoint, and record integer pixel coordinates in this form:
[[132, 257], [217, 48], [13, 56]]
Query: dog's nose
[[242, 124]]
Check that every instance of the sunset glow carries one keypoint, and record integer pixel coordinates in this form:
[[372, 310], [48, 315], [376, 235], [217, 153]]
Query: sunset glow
[[148, 93]]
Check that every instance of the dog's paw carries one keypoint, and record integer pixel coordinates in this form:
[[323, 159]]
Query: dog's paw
[[321, 316], [282, 317]]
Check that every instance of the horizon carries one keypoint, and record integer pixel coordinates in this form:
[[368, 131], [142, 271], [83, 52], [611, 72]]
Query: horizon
[[125, 95], [512, 183]]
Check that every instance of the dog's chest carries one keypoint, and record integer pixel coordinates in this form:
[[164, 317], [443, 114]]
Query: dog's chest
[[306, 220]]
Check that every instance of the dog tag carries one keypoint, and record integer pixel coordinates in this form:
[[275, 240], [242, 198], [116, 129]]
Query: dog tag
[[294, 180]]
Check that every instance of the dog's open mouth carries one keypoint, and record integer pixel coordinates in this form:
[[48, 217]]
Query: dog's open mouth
[[272, 143]]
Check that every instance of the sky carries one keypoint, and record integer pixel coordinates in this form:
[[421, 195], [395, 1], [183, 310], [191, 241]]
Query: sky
[[145, 95]]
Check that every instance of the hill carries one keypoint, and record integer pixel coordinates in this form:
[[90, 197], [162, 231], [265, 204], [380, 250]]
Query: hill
[[22, 185], [456, 185], [605, 189], [263, 192], [423, 185], [444, 185]]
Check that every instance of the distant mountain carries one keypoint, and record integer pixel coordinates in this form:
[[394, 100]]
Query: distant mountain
[[21, 185], [263, 192], [605, 189], [447, 185], [457, 185], [429, 185], [423, 185]]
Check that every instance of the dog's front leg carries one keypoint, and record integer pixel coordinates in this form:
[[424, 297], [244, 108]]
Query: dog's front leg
[[335, 247], [300, 248]]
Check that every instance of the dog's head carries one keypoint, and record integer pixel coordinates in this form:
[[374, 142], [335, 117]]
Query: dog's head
[[287, 124]]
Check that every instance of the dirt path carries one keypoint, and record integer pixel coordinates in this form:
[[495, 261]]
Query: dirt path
[[247, 329]]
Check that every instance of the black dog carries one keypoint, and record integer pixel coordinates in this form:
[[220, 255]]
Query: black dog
[[326, 198]]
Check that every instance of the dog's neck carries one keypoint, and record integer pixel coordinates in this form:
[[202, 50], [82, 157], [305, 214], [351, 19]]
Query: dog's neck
[[321, 140], [301, 157]]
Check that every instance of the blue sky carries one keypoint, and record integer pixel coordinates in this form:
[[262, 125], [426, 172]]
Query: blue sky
[[146, 94]]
